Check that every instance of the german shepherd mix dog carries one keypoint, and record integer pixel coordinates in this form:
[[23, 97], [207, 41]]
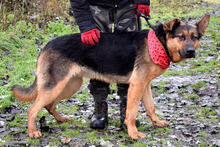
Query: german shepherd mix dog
[[134, 58]]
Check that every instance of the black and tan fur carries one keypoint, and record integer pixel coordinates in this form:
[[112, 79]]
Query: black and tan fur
[[118, 57]]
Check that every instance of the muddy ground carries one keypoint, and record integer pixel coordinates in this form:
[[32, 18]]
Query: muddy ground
[[185, 127]]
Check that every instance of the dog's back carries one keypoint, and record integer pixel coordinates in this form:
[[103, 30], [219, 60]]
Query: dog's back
[[114, 54]]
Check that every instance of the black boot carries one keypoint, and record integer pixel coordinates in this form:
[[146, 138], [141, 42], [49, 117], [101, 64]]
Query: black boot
[[100, 91], [123, 107], [99, 119]]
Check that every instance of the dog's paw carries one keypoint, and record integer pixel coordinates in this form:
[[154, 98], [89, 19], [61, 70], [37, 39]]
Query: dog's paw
[[137, 135], [34, 134], [160, 123], [64, 119]]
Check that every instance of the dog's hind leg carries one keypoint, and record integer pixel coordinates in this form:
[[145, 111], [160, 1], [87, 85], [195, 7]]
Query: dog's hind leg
[[72, 87], [44, 98], [148, 102]]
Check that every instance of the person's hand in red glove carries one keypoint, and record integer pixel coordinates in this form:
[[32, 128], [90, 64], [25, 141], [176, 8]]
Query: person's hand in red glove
[[144, 9], [90, 37]]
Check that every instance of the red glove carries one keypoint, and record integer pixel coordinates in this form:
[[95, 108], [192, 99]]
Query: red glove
[[90, 37], [144, 9]]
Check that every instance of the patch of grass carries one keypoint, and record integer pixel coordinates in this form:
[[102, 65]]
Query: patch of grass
[[202, 119], [162, 84], [115, 123], [159, 130], [70, 133], [204, 144], [164, 141], [33, 142], [143, 127], [17, 122], [53, 141], [140, 144], [213, 30], [181, 91], [196, 107], [4, 138], [169, 9], [199, 114], [161, 88], [159, 91], [192, 97], [214, 119], [198, 84], [113, 87], [202, 134], [69, 110], [208, 111], [65, 124], [175, 72], [84, 96], [92, 137]]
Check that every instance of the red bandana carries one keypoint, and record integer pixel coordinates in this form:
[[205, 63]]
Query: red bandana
[[157, 53]]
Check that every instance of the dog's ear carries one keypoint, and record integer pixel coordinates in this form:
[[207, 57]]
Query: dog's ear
[[168, 26], [203, 23]]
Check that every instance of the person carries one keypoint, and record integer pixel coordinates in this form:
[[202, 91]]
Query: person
[[93, 17]]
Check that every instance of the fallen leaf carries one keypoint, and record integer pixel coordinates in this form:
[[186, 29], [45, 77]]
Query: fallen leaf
[[65, 140]]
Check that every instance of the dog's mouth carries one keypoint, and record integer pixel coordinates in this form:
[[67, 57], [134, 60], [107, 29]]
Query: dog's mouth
[[184, 54]]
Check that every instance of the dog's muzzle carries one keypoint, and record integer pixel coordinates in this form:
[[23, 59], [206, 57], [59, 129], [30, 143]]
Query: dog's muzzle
[[188, 53]]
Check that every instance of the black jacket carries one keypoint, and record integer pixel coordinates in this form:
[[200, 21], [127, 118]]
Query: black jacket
[[82, 13]]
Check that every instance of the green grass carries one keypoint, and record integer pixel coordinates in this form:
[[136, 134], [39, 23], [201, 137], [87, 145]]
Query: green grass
[[203, 111], [192, 97], [202, 134], [204, 144], [208, 111], [20, 42], [69, 133], [198, 85]]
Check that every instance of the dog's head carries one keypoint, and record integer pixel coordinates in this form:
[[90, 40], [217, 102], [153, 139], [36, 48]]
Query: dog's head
[[183, 38]]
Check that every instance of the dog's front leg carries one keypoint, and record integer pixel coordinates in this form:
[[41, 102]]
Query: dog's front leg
[[135, 93], [148, 102]]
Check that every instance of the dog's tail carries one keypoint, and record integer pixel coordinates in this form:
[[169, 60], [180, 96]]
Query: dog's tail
[[25, 94]]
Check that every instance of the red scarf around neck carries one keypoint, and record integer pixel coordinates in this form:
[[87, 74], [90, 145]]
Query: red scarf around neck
[[157, 53]]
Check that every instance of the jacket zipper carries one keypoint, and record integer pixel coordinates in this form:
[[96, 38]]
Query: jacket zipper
[[116, 5]]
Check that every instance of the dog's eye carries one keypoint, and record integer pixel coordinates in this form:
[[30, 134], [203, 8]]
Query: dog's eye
[[194, 38], [181, 38]]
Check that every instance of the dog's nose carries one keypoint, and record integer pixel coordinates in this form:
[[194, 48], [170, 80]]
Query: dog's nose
[[190, 50]]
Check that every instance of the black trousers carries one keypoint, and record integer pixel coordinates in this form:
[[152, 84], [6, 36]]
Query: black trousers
[[100, 90]]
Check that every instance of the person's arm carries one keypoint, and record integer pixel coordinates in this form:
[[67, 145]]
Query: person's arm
[[82, 15], [84, 20]]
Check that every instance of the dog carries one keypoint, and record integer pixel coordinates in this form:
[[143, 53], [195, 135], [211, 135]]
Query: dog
[[133, 58]]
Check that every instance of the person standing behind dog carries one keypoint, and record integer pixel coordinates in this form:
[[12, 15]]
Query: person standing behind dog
[[93, 17]]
